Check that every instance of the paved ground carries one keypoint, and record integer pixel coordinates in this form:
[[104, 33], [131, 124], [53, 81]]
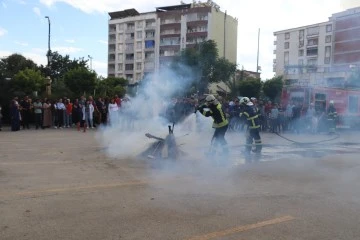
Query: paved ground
[[60, 184]]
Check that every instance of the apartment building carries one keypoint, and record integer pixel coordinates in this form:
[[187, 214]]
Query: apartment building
[[141, 43], [319, 54]]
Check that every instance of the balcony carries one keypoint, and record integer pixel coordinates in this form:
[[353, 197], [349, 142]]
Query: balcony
[[275, 42], [274, 52], [130, 30], [170, 21], [149, 36], [129, 60], [112, 50], [129, 40], [150, 25], [112, 28]]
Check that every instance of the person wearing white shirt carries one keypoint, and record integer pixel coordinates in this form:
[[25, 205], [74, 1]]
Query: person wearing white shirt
[[113, 111], [60, 113], [88, 112]]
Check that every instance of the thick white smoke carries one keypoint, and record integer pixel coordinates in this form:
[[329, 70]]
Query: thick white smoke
[[144, 114]]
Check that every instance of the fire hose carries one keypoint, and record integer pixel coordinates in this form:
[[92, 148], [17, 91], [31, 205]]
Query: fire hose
[[337, 135]]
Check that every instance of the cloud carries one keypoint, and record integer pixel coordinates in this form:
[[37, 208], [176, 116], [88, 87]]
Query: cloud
[[103, 42], [3, 31], [70, 41], [4, 5], [24, 44], [37, 11], [67, 50], [100, 68]]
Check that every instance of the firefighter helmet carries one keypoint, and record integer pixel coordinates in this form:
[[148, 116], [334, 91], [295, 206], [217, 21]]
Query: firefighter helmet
[[244, 100], [210, 99]]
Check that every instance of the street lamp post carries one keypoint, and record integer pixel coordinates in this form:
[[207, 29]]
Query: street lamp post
[[90, 57], [49, 58]]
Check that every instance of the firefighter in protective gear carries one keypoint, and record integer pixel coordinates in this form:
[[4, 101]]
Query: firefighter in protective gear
[[251, 117], [220, 123], [331, 117]]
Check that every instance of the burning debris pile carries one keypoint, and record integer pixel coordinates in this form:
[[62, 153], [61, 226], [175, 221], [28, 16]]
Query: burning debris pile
[[163, 148]]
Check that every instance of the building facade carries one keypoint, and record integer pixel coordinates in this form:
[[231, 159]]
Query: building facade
[[319, 54], [141, 43]]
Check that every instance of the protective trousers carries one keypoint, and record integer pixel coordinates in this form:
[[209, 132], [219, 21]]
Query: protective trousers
[[253, 134], [219, 138]]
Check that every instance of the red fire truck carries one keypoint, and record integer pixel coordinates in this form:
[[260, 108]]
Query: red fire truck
[[346, 101]]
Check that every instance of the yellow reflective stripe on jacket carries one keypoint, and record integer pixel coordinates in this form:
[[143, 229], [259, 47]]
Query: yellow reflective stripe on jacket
[[224, 121]]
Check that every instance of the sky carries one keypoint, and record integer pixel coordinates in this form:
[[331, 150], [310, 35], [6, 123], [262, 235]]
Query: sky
[[80, 27]]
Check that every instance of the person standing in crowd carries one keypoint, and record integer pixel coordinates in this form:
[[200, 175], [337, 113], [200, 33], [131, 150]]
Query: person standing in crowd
[[296, 117], [15, 116], [113, 112], [25, 107], [47, 120], [54, 114], [100, 104], [274, 119], [88, 111], [77, 114], [1, 116], [38, 108], [60, 113], [68, 113]]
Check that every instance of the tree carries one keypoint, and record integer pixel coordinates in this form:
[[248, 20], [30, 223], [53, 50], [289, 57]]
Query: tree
[[60, 65], [112, 86], [15, 63], [27, 81], [272, 88], [203, 65], [80, 80], [250, 87]]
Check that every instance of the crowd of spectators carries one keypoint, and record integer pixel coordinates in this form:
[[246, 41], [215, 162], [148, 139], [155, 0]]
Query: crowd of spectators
[[86, 113]]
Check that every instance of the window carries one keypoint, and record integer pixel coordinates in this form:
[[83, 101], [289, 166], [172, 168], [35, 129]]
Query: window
[[129, 46], [150, 44], [313, 41], [138, 45], [328, 28], [120, 26], [328, 39], [150, 34], [286, 58], [312, 62], [312, 51], [140, 24], [287, 36], [149, 55], [353, 104], [120, 46], [129, 67], [129, 77], [120, 57], [138, 76], [327, 54], [301, 52], [139, 35], [301, 43], [120, 67], [129, 56], [120, 37], [301, 34], [313, 31], [130, 26], [138, 66], [287, 45], [130, 36], [138, 55], [149, 65]]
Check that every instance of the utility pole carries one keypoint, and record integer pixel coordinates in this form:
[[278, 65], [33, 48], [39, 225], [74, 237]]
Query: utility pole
[[90, 57], [257, 60]]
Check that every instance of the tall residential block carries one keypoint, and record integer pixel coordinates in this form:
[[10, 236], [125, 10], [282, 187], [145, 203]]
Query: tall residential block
[[319, 54], [141, 43]]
